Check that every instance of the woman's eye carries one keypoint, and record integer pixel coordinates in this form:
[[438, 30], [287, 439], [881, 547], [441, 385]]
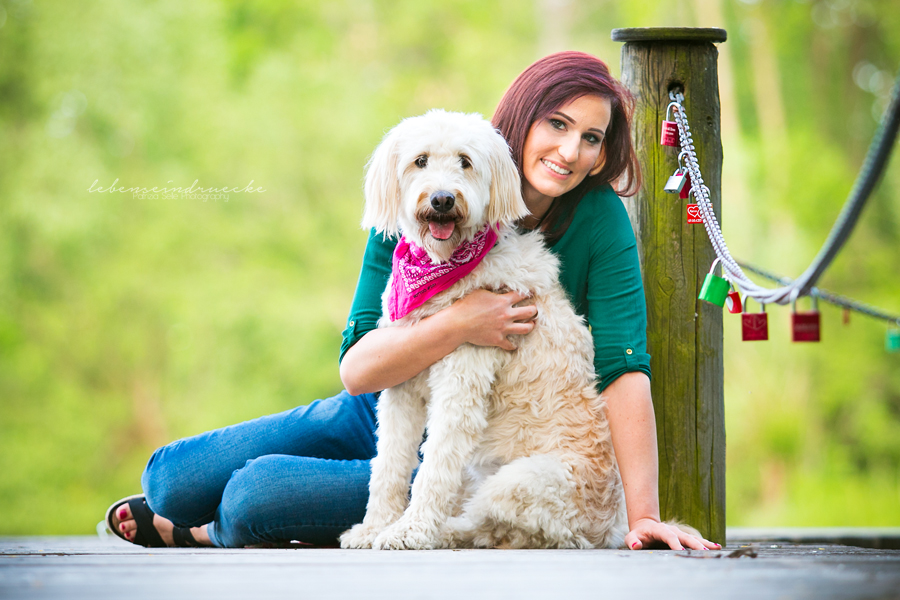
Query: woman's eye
[[465, 162], [422, 161], [592, 139], [557, 124]]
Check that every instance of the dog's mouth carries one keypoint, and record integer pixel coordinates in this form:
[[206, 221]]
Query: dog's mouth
[[441, 227]]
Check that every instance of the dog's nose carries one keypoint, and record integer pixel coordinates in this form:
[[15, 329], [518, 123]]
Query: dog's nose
[[442, 201]]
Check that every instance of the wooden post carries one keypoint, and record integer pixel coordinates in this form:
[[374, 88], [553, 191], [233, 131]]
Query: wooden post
[[684, 334]]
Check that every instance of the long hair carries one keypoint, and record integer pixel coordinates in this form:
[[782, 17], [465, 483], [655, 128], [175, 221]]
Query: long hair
[[543, 88]]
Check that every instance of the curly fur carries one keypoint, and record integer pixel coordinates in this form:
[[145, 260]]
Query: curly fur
[[518, 452]]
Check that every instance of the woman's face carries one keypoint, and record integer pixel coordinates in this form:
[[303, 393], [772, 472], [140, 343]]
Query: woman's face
[[564, 147]]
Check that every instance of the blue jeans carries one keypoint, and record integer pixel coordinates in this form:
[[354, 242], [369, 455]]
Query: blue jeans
[[298, 475]]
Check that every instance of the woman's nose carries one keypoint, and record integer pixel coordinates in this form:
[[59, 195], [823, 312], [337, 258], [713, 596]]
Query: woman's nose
[[568, 149]]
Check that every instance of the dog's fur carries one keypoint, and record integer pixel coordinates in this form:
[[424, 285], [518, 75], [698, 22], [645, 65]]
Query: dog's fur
[[518, 453]]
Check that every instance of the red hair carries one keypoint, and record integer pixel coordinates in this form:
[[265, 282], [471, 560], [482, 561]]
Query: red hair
[[542, 89]]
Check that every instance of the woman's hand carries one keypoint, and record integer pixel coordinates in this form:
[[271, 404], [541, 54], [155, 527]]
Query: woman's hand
[[487, 319], [389, 356], [647, 531]]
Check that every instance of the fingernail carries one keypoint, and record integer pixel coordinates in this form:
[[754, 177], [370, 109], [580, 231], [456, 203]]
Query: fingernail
[[682, 547], [633, 545], [718, 545], [122, 514]]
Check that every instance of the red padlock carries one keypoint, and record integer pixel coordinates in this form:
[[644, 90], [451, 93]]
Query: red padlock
[[733, 301], [806, 326], [669, 135], [755, 326], [686, 190], [693, 213]]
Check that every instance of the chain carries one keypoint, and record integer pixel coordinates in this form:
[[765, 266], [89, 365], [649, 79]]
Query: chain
[[870, 173]]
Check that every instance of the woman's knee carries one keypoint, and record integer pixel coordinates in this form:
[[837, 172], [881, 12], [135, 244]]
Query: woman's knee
[[172, 490]]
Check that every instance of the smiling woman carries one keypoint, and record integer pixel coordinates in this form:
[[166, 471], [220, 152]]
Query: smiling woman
[[561, 150]]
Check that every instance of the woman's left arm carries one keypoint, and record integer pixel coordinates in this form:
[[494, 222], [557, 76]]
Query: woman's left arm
[[633, 429]]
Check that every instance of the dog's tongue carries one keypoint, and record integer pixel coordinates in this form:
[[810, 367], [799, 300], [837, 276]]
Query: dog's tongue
[[441, 231]]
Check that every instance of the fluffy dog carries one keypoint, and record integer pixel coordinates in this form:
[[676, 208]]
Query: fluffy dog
[[518, 451]]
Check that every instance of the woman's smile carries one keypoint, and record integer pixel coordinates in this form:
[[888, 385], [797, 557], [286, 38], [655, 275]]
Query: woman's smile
[[563, 148]]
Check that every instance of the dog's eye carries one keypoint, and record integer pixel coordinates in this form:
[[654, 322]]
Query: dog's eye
[[422, 161], [465, 162]]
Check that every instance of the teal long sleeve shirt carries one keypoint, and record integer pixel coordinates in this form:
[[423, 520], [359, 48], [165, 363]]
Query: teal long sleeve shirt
[[600, 272]]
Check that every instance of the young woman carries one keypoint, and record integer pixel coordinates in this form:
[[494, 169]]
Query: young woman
[[303, 474]]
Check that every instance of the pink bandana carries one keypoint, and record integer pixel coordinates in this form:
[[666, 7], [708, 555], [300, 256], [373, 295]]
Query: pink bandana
[[416, 278]]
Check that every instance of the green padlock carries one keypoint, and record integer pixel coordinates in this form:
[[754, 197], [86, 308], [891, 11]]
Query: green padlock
[[715, 288], [892, 341]]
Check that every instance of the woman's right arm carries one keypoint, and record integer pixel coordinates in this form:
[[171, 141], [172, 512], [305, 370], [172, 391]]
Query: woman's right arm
[[383, 358], [376, 359]]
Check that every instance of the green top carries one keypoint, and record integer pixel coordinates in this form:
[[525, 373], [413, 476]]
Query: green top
[[599, 271]]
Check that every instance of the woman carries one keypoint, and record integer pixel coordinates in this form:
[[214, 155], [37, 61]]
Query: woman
[[303, 474]]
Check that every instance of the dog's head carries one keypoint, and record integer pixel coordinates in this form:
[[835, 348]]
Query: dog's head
[[439, 179]]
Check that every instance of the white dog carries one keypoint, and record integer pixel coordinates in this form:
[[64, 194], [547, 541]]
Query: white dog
[[518, 452]]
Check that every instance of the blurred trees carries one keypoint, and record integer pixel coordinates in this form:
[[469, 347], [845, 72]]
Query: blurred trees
[[128, 321]]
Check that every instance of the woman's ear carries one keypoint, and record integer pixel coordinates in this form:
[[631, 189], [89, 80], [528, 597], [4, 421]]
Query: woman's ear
[[506, 205], [382, 188]]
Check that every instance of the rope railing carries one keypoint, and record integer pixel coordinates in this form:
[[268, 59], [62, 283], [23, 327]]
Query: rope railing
[[873, 167]]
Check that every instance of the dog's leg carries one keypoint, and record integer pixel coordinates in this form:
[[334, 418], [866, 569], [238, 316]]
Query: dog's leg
[[401, 422], [460, 384]]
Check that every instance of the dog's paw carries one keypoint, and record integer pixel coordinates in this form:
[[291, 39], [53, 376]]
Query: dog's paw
[[408, 534], [359, 536]]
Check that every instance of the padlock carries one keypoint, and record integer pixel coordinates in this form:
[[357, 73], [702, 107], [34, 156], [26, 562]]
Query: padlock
[[892, 340], [755, 326], [806, 326], [677, 182], [715, 288], [693, 213], [733, 301], [669, 135], [686, 190]]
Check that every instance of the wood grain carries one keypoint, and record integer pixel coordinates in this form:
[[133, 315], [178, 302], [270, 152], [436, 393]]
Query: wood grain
[[684, 333]]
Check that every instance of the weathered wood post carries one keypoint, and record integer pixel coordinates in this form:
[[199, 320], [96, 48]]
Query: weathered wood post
[[684, 333]]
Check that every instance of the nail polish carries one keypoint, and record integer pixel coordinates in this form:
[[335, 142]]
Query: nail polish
[[633, 545], [122, 514]]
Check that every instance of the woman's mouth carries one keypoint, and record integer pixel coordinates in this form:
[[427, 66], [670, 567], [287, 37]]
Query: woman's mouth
[[555, 168]]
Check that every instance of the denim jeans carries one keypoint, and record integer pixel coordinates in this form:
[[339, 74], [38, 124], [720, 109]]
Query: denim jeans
[[298, 475]]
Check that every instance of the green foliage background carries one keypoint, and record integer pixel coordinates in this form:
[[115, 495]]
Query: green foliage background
[[126, 322]]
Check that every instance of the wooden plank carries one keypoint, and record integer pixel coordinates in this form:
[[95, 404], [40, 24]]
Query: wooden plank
[[684, 333], [75, 568]]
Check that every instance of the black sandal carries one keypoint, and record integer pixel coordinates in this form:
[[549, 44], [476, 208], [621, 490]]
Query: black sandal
[[146, 534]]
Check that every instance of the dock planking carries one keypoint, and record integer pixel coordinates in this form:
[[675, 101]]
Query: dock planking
[[89, 567]]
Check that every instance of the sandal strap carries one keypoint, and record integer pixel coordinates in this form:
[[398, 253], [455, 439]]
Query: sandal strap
[[184, 538], [146, 535]]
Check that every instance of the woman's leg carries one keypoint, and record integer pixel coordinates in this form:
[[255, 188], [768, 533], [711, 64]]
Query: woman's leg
[[278, 498], [185, 480]]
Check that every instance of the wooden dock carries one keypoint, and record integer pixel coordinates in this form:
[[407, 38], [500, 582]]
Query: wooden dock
[[93, 568]]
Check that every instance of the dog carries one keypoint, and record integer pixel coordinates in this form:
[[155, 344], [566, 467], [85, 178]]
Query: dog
[[518, 451]]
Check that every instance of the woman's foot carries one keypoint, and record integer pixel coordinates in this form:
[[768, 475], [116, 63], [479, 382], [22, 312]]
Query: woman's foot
[[126, 525]]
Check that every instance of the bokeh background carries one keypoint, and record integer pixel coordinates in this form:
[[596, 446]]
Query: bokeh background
[[126, 321]]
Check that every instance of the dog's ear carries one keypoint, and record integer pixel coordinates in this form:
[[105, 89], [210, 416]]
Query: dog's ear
[[383, 188], [506, 205]]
